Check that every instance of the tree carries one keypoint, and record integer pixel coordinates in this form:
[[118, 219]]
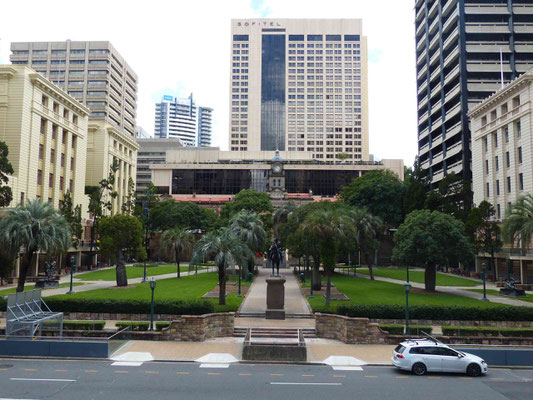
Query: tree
[[129, 204], [379, 191], [367, 230], [453, 196], [34, 226], [282, 215], [73, 217], [251, 200], [430, 238], [119, 234], [6, 195], [176, 241], [248, 227], [185, 214], [101, 201], [416, 185], [8, 257], [327, 226], [483, 231], [226, 250], [517, 225]]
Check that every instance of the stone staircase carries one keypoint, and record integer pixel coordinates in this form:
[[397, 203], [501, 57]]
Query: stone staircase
[[262, 315], [273, 335]]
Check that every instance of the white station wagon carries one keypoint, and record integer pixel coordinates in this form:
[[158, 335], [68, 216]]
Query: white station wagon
[[427, 355]]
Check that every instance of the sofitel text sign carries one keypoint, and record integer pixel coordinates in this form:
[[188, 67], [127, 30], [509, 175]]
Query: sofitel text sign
[[257, 23]]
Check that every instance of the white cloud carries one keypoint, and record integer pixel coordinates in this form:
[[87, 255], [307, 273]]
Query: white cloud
[[180, 47]]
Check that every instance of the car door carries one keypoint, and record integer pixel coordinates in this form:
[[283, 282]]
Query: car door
[[450, 360], [431, 358]]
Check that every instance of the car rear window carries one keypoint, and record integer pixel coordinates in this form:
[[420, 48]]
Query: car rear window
[[399, 349]]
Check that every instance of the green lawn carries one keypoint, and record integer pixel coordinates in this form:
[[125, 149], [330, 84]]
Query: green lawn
[[365, 291], [31, 286], [186, 288], [418, 276], [494, 292], [132, 272]]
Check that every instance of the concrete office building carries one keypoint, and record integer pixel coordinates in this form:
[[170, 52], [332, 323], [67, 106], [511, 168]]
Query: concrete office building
[[502, 162], [458, 45], [45, 130], [96, 75], [152, 151], [184, 120], [299, 85]]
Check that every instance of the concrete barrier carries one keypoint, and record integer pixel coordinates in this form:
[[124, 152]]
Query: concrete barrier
[[54, 348], [502, 357]]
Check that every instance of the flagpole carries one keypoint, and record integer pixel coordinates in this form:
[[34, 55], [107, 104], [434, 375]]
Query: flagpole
[[501, 66]]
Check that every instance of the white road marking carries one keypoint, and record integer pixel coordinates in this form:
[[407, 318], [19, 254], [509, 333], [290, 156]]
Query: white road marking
[[306, 383], [42, 380], [126, 364], [214, 365], [217, 358], [5, 398], [346, 368], [132, 359]]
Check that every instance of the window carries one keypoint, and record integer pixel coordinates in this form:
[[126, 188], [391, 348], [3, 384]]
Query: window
[[495, 139], [43, 126], [41, 151], [39, 177], [22, 198], [520, 155], [498, 211], [487, 166], [518, 129], [52, 155], [508, 184], [488, 190], [61, 182], [44, 101], [497, 187], [62, 159], [507, 159], [77, 61], [521, 181], [497, 162], [506, 135]]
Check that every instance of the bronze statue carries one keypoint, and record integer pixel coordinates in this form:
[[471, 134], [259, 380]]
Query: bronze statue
[[275, 255]]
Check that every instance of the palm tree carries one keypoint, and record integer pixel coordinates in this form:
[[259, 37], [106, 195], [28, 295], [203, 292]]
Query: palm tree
[[35, 226], [282, 215], [248, 227], [225, 249], [518, 222], [327, 225], [367, 229], [176, 241]]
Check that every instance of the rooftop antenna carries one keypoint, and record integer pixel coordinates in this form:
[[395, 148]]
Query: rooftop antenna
[[501, 66]]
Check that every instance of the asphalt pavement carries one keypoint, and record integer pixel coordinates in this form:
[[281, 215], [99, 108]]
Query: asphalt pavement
[[81, 380]]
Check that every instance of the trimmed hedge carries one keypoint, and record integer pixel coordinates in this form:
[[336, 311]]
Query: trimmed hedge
[[397, 329], [486, 331], [161, 325], [459, 313], [79, 325], [179, 307]]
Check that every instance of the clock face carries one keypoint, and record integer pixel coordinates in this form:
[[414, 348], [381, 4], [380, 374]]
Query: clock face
[[276, 168]]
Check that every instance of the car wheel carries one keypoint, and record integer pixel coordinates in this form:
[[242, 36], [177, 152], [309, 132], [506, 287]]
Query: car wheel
[[473, 370], [419, 369]]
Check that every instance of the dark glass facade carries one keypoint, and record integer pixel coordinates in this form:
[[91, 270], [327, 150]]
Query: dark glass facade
[[273, 93], [232, 181]]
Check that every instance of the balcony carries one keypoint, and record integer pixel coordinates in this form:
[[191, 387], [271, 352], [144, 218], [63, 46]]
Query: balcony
[[523, 9], [435, 74], [452, 39], [422, 71], [435, 91], [453, 111], [420, 14], [486, 66], [523, 28], [454, 149], [437, 158], [434, 58], [454, 130], [423, 118], [451, 57], [435, 142], [436, 126], [434, 25], [456, 167], [499, 27], [420, 28], [435, 108], [423, 103], [522, 67], [524, 47], [433, 10], [437, 176], [452, 93], [425, 164], [420, 43], [473, 9], [434, 42], [484, 86], [451, 21], [422, 87], [451, 75], [451, 4], [423, 150], [421, 57], [487, 47]]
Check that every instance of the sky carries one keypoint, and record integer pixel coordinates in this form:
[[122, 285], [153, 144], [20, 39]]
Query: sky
[[179, 47]]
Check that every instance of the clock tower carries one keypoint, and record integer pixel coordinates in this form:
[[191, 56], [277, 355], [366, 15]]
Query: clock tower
[[276, 179]]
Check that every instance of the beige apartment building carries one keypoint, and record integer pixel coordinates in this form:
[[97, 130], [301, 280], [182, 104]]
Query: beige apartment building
[[96, 75], [299, 85], [502, 158], [45, 130]]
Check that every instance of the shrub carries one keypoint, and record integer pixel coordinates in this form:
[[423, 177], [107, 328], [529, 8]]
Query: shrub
[[460, 313], [486, 331], [135, 325], [397, 329], [194, 307], [78, 325]]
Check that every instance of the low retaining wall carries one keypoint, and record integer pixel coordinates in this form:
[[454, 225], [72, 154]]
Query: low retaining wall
[[349, 330], [494, 324], [54, 348], [197, 328]]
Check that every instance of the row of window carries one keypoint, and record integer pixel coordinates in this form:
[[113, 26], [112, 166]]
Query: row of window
[[45, 101], [53, 157], [319, 58], [51, 181], [507, 160], [518, 131], [509, 185]]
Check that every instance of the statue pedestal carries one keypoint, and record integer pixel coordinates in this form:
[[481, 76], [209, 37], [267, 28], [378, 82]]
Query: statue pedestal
[[47, 283], [275, 298]]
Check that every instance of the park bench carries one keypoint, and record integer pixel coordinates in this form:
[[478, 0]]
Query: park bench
[[26, 312]]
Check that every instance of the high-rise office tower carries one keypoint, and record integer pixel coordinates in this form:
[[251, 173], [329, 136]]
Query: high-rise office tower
[[464, 50], [96, 75], [183, 119], [299, 85]]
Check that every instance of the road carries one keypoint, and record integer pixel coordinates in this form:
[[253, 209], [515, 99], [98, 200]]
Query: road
[[82, 380]]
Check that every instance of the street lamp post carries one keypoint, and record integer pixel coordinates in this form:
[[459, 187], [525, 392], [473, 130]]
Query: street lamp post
[[484, 276], [72, 270], [145, 211], [152, 287], [240, 273], [407, 288], [311, 293]]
